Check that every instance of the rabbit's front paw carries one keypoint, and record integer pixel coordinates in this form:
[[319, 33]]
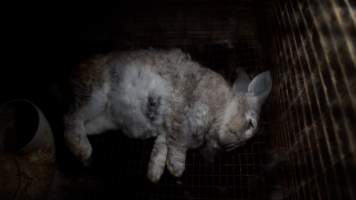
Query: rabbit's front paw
[[176, 165], [154, 173], [176, 168]]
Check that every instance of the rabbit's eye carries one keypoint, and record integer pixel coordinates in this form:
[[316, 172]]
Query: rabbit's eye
[[232, 131], [251, 124]]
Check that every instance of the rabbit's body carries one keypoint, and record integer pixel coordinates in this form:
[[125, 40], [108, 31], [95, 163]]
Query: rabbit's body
[[150, 93]]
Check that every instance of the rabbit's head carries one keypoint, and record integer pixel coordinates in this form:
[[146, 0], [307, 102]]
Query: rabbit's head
[[241, 117]]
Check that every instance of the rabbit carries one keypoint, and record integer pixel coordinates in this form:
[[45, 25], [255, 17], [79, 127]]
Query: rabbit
[[162, 94]]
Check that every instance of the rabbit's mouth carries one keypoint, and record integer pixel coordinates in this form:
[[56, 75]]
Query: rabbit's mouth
[[232, 146]]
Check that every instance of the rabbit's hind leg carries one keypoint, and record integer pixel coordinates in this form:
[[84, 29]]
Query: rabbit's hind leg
[[75, 129], [76, 138]]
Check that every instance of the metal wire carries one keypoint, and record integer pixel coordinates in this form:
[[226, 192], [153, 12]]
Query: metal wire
[[315, 69]]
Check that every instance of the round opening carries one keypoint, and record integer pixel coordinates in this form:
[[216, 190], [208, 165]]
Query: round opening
[[18, 125]]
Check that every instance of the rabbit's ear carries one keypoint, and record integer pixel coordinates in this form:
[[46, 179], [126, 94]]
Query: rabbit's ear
[[242, 82], [261, 86]]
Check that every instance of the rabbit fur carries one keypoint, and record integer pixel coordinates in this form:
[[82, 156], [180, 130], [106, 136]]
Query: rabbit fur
[[166, 95]]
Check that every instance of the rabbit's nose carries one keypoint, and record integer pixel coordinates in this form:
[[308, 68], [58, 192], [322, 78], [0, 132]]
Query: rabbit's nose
[[233, 131], [221, 141]]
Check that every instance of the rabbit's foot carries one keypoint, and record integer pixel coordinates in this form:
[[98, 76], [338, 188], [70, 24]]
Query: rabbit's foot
[[80, 146], [176, 163]]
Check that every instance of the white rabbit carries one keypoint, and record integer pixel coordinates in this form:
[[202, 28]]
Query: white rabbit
[[166, 95]]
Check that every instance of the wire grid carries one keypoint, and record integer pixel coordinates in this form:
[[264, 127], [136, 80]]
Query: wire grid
[[120, 171], [314, 100]]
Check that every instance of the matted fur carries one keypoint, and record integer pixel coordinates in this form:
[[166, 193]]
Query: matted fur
[[162, 94]]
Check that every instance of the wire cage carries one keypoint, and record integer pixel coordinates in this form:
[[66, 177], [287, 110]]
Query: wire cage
[[314, 99], [306, 146]]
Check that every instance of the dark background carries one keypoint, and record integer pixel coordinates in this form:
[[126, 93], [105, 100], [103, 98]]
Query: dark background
[[308, 122], [43, 40]]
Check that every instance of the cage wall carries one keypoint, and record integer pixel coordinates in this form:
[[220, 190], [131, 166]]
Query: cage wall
[[313, 126]]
